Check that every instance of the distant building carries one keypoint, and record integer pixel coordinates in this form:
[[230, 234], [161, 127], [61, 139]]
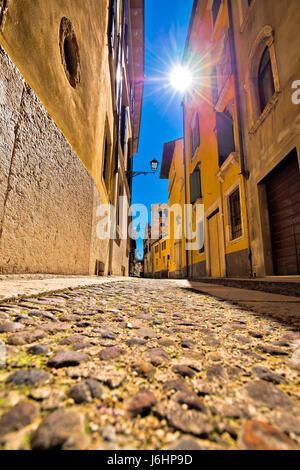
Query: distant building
[[161, 258], [172, 168], [160, 220], [157, 249], [148, 253]]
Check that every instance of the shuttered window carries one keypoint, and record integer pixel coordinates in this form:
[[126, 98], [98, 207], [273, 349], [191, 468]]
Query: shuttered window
[[215, 9], [200, 236], [235, 215], [119, 76], [195, 136], [123, 129], [112, 24], [106, 162], [195, 185], [126, 36], [265, 80], [225, 136]]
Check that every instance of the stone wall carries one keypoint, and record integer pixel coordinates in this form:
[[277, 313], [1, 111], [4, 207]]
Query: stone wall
[[198, 270], [238, 264], [47, 196]]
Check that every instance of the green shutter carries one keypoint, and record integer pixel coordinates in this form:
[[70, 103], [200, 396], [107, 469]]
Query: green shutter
[[195, 186]]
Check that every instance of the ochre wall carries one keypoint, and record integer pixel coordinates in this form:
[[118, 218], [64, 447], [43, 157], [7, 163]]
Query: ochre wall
[[203, 44], [177, 196], [159, 264], [30, 36]]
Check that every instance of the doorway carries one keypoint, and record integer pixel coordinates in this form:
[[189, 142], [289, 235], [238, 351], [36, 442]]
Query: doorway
[[283, 195], [214, 234]]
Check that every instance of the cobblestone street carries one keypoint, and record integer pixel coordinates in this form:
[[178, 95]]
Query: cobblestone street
[[146, 365]]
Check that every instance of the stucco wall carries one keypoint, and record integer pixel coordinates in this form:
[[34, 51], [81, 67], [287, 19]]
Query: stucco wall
[[46, 194], [30, 35], [279, 133]]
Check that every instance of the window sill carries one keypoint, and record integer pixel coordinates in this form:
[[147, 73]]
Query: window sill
[[265, 113], [233, 159], [235, 241], [197, 202]]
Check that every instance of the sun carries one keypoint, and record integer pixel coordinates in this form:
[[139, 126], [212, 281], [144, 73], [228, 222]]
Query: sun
[[181, 78]]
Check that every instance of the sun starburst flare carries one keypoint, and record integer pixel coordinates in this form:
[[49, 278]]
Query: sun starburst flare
[[181, 78]]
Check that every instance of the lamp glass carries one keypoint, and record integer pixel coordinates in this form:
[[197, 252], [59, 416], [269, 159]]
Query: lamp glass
[[154, 165]]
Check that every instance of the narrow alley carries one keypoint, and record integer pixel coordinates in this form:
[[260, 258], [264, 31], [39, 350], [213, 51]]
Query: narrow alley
[[149, 229], [145, 364]]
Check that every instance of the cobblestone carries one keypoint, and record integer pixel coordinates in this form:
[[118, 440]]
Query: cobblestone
[[145, 364]]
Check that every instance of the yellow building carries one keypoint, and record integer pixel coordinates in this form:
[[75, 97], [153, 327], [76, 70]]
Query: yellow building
[[213, 158], [161, 252], [172, 168]]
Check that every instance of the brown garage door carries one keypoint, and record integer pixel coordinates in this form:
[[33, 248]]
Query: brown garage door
[[283, 189]]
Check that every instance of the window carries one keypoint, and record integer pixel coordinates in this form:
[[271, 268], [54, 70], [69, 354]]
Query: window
[[224, 67], [123, 128], [164, 246], [235, 215], [126, 38], [214, 86], [215, 10], [195, 185], [266, 85], [106, 166], [132, 102], [156, 249], [195, 136], [118, 84], [164, 259], [225, 135], [262, 80], [105, 172], [69, 52], [200, 236], [112, 24], [119, 204]]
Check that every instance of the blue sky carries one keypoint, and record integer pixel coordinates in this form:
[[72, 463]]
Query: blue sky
[[166, 24]]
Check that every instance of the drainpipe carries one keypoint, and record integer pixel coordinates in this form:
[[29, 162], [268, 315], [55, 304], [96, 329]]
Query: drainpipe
[[244, 172], [185, 189]]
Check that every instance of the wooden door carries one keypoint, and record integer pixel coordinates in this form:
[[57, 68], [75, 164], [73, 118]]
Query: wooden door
[[283, 190], [214, 245]]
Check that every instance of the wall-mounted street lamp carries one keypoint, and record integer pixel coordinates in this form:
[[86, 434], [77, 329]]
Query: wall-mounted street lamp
[[154, 166]]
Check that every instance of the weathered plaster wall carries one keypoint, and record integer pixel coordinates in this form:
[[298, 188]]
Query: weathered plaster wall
[[46, 194]]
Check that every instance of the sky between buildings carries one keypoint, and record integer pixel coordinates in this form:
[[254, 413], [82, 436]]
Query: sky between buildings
[[166, 23]]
